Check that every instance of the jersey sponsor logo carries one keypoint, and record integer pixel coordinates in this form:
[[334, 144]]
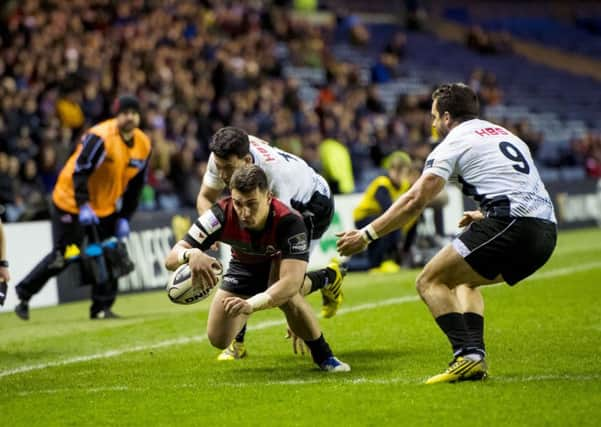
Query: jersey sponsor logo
[[209, 222], [491, 131], [231, 280], [429, 164], [66, 219], [298, 243], [197, 234], [264, 151]]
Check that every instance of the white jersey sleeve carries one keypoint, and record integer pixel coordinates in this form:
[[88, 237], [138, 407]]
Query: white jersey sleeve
[[290, 178], [211, 177], [494, 167], [442, 160]]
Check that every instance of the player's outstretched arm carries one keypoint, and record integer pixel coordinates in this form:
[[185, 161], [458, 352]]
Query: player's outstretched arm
[[207, 196], [292, 273], [403, 210]]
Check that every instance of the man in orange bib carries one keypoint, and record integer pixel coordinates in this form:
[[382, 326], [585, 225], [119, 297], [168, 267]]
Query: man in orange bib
[[99, 186]]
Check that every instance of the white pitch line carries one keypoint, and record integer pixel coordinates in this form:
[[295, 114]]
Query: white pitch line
[[566, 270], [575, 249], [262, 325], [338, 379]]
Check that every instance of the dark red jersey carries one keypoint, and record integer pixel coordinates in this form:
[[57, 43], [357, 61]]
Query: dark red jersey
[[284, 235]]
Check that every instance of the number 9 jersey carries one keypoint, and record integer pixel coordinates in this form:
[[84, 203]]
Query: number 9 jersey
[[495, 168]]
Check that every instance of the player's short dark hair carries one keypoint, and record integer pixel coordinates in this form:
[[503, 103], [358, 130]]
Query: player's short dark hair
[[458, 99], [247, 178], [230, 140]]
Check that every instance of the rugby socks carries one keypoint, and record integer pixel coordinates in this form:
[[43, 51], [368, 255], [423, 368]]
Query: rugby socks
[[475, 329], [321, 278], [320, 350], [241, 334], [453, 325]]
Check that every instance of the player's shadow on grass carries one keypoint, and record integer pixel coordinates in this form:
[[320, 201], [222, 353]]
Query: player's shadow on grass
[[295, 368]]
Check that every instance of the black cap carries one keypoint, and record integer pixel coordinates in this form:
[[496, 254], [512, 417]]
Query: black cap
[[127, 102]]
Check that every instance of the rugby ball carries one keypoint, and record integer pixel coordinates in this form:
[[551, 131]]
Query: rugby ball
[[181, 289]]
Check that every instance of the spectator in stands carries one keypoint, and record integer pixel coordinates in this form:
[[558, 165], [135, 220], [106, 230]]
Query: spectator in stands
[[591, 143], [358, 33], [7, 187], [487, 43], [4, 272], [379, 196], [385, 69], [336, 164], [532, 138], [197, 67], [485, 84], [397, 46], [109, 165], [31, 193]]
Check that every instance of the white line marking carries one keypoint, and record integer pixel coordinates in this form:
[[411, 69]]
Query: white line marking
[[565, 271], [262, 325], [575, 249], [331, 378]]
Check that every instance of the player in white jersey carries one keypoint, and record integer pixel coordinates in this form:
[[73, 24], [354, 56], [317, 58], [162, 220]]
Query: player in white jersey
[[509, 238], [293, 182]]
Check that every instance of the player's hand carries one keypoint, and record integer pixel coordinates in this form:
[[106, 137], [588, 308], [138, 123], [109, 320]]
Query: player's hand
[[298, 345], [350, 242], [202, 270], [469, 217], [87, 216], [235, 306]]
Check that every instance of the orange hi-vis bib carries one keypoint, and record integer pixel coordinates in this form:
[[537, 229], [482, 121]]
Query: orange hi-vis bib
[[108, 180]]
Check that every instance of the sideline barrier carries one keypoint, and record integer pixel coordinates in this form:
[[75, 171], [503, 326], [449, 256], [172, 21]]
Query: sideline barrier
[[26, 244], [577, 203]]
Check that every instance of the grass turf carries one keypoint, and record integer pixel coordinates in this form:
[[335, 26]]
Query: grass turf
[[155, 367]]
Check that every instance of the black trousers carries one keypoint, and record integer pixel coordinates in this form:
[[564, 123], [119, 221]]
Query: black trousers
[[383, 248], [67, 230]]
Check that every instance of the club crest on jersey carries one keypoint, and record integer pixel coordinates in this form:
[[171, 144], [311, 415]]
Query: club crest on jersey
[[298, 243], [209, 222], [429, 163]]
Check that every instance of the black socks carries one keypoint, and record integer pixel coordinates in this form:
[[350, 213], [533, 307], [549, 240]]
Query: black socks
[[320, 350], [453, 325], [321, 278], [475, 329], [465, 331], [241, 334]]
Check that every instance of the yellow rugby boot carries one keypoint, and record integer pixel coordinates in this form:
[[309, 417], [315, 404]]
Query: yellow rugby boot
[[461, 369], [236, 350], [332, 293]]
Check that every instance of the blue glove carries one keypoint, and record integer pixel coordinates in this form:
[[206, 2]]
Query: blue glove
[[122, 228], [87, 216]]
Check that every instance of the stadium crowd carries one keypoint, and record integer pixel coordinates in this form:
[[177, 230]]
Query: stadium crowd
[[196, 66]]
